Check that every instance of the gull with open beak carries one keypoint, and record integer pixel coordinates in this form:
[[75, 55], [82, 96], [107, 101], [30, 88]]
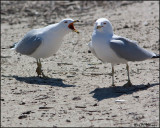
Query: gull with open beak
[[71, 26], [44, 42]]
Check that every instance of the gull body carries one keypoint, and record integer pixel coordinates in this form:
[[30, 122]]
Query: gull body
[[104, 52], [114, 49], [44, 42]]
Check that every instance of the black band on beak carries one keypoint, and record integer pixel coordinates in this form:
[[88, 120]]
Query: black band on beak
[[99, 27]]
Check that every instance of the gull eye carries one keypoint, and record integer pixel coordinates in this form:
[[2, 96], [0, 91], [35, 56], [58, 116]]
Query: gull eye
[[104, 23], [65, 22]]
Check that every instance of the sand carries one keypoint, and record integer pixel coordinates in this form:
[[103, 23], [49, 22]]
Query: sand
[[78, 92]]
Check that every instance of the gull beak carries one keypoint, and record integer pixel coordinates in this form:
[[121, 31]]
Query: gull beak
[[99, 26], [71, 26], [75, 21]]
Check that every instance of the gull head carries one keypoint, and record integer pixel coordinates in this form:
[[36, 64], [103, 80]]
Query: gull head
[[68, 24], [103, 25]]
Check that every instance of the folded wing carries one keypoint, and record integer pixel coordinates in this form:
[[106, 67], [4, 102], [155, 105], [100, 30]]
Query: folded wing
[[29, 43], [129, 50]]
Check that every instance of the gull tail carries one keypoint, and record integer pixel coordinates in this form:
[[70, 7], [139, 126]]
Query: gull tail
[[13, 46], [156, 56]]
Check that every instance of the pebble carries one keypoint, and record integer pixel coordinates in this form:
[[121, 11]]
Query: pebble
[[27, 112], [136, 96], [80, 106], [68, 120], [22, 103], [95, 104], [145, 23], [114, 116], [76, 98], [22, 116], [45, 107], [119, 100], [125, 26]]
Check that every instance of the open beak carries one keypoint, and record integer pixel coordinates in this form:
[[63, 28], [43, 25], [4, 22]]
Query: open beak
[[98, 27], [71, 26]]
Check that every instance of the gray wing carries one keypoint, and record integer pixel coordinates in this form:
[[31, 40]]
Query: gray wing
[[29, 43], [129, 50]]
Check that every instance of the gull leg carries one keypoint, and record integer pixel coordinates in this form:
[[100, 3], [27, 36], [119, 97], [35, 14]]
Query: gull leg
[[127, 67], [44, 76], [113, 75], [39, 69], [129, 81]]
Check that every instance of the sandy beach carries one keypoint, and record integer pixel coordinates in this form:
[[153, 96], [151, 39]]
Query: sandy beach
[[78, 92]]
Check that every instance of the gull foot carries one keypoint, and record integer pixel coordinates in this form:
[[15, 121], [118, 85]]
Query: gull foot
[[44, 76], [113, 85], [128, 84], [40, 73]]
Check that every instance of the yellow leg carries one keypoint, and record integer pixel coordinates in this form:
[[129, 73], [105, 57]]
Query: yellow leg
[[129, 81], [39, 69], [113, 76]]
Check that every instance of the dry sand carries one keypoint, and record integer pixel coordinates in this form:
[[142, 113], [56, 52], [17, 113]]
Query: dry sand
[[79, 91]]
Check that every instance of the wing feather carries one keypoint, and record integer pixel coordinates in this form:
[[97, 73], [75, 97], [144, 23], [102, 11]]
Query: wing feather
[[129, 49], [29, 43]]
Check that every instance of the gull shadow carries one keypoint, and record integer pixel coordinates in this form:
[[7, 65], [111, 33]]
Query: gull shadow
[[113, 92], [41, 81]]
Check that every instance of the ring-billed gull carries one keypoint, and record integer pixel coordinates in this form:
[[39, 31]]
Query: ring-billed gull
[[108, 47], [44, 42]]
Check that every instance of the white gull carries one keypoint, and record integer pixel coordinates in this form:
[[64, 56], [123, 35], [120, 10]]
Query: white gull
[[44, 42], [114, 49]]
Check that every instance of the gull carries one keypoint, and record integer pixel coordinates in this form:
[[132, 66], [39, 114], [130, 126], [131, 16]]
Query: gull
[[114, 49], [44, 42]]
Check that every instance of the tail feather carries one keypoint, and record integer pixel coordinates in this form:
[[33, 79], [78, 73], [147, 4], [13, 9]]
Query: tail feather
[[13, 46], [156, 56]]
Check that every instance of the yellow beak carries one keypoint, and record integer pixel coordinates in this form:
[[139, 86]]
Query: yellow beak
[[71, 26], [75, 29], [98, 27], [75, 21]]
